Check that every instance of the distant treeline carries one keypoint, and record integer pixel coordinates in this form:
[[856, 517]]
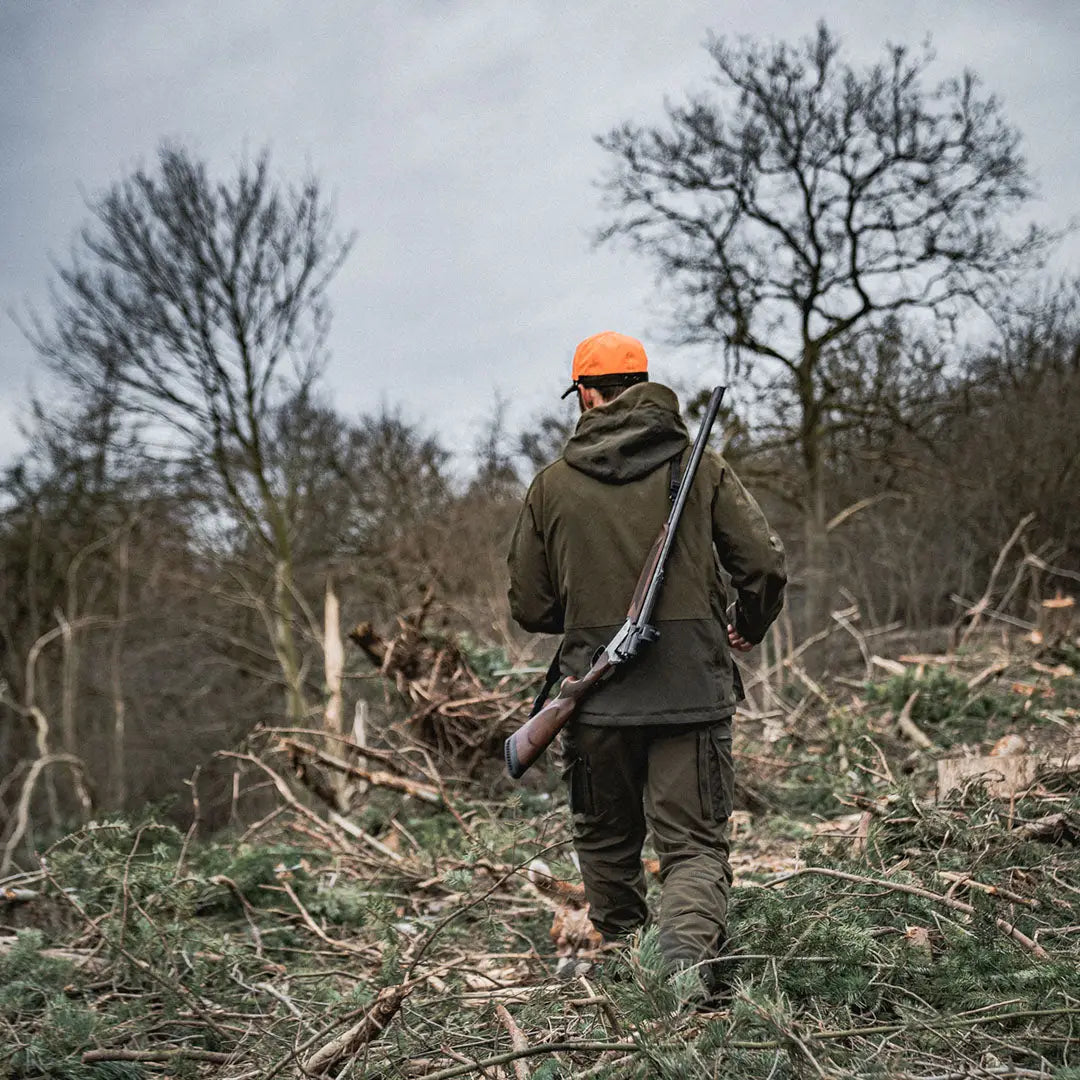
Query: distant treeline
[[138, 618]]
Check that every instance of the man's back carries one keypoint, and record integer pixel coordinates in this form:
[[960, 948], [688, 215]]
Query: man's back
[[585, 532]]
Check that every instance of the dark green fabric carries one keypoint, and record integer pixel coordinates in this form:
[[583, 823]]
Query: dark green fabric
[[629, 437], [677, 781], [584, 533]]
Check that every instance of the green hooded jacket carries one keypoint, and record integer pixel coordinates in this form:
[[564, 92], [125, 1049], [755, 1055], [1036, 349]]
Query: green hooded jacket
[[582, 538]]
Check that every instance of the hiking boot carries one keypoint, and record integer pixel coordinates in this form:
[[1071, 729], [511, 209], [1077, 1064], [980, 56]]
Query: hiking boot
[[705, 985], [688, 983], [574, 967]]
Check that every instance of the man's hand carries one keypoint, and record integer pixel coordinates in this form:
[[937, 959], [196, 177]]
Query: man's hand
[[736, 640]]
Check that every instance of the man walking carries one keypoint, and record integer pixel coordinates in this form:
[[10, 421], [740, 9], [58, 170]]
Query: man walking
[[652, 746]]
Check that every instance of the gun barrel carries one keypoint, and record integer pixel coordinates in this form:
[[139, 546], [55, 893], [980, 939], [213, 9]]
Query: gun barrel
[[651, 594]]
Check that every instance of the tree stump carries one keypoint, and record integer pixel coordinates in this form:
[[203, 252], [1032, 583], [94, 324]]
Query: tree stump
[[1057, 620], [1004, 776]]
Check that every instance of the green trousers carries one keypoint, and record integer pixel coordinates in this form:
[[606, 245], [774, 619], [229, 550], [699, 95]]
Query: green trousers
[[677, 782]]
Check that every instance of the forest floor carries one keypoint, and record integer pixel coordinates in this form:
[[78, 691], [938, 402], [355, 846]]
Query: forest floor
[[881, 927]]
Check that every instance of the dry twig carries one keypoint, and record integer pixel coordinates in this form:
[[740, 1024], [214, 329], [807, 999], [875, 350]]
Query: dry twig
[[909, 727], [178, 1053], [375, 1020], [517, 1041]]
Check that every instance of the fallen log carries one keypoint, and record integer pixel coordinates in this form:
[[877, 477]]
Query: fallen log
[[18, 896], [81, 958], [377, 778], [1006, 774], [1051, 828]]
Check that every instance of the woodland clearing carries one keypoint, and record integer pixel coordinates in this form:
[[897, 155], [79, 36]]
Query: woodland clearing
[[384, 917]]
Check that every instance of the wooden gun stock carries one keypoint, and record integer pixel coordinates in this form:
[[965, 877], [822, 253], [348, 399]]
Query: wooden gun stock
[[534, 736]]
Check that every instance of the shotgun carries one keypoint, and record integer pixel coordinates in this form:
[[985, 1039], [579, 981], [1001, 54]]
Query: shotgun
[[547, 720]]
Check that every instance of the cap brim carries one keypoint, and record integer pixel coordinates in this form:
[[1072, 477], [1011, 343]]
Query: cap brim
[[568, 391]]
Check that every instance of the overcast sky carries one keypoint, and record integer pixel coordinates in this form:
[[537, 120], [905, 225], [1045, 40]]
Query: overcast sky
[[457, 140]]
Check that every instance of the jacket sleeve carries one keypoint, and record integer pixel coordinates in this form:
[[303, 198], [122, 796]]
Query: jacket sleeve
[[534, 600], [750, 552]]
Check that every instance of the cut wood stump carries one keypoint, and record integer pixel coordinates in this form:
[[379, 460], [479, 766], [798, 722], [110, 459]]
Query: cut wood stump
[[1005, 774], [1057, 620]]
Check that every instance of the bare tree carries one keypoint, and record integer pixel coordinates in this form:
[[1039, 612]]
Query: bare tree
[[543, 440], [805, 201], [199, 307]]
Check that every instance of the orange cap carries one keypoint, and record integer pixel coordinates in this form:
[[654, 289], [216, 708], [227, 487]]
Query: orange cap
[[607, 353]]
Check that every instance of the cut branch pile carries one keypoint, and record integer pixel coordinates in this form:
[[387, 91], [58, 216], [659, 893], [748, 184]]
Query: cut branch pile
[[450, 708]]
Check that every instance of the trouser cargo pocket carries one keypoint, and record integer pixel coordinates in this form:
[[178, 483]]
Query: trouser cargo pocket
[[716, 772], [578, 777]]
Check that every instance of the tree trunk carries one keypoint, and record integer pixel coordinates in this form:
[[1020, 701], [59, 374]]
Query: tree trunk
[[817, 558], [69, 674], [282, 631], [285, 641], [333, 661], [40, 720], [118, 763], [334, 668], [815, 526]]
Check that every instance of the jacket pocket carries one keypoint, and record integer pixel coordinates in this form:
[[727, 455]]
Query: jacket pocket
[[716, 772], [736, 682]]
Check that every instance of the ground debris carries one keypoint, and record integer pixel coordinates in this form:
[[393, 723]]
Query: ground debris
[[876, 929]]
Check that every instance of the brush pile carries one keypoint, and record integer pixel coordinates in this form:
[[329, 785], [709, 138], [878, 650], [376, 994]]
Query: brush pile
[[454, 703]]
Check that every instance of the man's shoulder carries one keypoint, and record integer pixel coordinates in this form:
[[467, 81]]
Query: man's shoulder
[[715, 462], [548, 475]]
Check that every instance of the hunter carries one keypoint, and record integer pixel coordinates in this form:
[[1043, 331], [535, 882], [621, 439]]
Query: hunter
[[651, 748]]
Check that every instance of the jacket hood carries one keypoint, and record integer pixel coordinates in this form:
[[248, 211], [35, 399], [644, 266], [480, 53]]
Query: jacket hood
[[628, 437]]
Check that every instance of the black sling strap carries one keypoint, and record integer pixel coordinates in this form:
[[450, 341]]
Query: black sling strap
[[550, 679], [676, 477], [553, 672]]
